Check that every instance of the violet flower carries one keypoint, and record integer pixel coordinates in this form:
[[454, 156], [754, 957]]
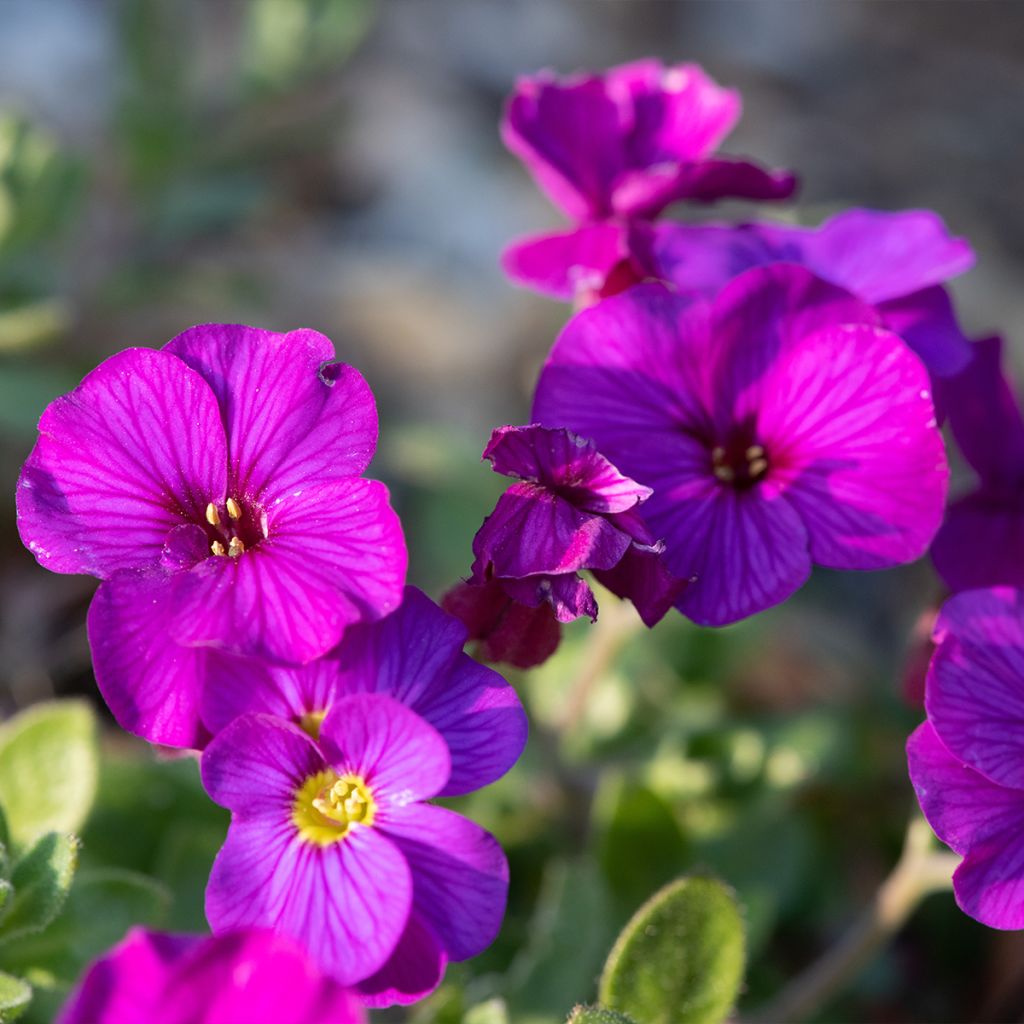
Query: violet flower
[[215, 487], [333, 844], [967, 760], [981, 542], [778, 427], [252, 977], [415, 656]]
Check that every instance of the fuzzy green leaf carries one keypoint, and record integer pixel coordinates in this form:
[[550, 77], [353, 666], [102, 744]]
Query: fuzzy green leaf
[[597, 1015], [15, 996], [680, 959], [41, 881], [48, 769]]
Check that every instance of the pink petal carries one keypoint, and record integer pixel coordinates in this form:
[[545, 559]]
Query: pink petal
[[847, 420], [334, 554], [401, 756], [291, 420], [460, 876], [568, 595], [135, 450], [925, 320], [643, 578], [413, 971], [981, 541]]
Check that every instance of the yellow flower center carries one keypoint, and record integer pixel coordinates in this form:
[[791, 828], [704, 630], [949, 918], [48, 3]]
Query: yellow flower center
[[327, 806], [310, 723]]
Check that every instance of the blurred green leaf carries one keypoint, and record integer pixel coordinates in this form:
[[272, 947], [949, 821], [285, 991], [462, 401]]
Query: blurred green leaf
[[41, 881], [48, 769], [680, 959], [597, 1015], [15, 995], [641, 846], [494, 1011]]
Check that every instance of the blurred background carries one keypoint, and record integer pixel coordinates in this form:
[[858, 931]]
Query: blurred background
[[336, 164]]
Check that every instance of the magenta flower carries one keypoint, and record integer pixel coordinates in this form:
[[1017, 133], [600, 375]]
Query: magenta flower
[[981, 542], [967, 761], [414, 656], [333, 844], [252, 977], [214, 486], [572, 510], [777, 427]]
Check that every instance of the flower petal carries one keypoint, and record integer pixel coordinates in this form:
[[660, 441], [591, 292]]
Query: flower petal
[[256, 766], [568, 595], [926, 322], [643, 578], [346, 903], [975, 688], [135, 450], [151, 684], [400, 755], [291, 420], [981, 541], [460, 875], [847, 420], [413, 971], [334, 555]]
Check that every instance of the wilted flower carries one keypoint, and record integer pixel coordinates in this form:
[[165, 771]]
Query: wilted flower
[[967, 760], [981, 541], [777, 427], [333, 844], [214, 486], [251, 977]]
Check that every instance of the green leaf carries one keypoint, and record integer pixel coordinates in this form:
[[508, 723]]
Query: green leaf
[[597, 1015], [494, 1011], [680, 959], [41, 881], [15, 996], [48, 769]]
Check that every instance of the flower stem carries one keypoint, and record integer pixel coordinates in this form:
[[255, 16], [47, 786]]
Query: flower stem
[[920, 871]]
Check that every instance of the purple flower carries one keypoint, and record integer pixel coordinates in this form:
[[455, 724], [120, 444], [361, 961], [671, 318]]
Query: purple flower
[[572, 510], [967, 761], [981, 542], [252, 977], [214, 486], [414, 656], [776, 427], [628, 142], [332, 843]]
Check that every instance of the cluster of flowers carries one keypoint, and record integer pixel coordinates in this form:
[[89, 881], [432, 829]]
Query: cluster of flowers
[[729, 405], [253, 606]]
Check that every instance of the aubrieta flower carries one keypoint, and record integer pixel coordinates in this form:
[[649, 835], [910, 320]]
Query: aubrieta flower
[[215, 487], [981, 541], [610, 148], [777, 427], [332, 843], [967, 760], [414, 656], [252, 977]]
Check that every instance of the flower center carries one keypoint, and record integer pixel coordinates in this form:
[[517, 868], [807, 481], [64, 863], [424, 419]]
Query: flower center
[[233, 528], [739, 465], [327, 805], [310, 723]]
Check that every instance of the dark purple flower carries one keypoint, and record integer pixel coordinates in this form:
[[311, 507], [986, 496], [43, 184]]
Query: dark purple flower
[[628, 142], [215, 487], [981, 542], [332, 843], [572, 510], [251, 977], [967, 761], [415, 656], [776, 427]]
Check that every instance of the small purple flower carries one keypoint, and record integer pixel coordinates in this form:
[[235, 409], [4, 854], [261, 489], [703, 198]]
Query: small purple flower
[[572, 510], [628, 142], [215, 487], [967, 760], [981, 542], [332, 843], [414, 656], [776, 427], [252, 977]]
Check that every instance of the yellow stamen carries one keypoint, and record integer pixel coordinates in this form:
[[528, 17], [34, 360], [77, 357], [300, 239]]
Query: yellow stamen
[[757, 467], [234, 509], [310, 723], [212, 515], [236, 547], [217, 548], [717, 454], [725, 474], [327, 806], [755, 451]]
